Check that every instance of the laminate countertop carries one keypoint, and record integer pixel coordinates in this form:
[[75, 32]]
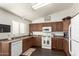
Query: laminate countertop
[[14, 39]]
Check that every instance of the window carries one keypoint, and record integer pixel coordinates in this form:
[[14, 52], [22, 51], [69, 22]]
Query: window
[[18, 27], [22, 28]]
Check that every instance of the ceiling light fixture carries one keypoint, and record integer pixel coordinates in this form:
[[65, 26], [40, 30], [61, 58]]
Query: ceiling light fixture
[[39, 5]]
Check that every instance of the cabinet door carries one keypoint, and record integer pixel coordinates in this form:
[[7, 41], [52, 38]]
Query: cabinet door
[[6, 49], [32, 27], [46, 24], [60, 44], [0, 49], [66, 25], [27, 43], [66, 46], [39, 27], [57, 43], [54, 43], [37, 41], [53, 25], [36, 27], [59, 26]]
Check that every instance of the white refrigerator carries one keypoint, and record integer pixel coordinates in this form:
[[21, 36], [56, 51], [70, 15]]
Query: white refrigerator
[[74, 36]]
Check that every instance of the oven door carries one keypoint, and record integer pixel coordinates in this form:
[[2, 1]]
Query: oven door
[[44, 40]]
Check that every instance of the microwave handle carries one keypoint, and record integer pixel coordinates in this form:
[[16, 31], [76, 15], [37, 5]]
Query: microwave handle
[[69, 32]]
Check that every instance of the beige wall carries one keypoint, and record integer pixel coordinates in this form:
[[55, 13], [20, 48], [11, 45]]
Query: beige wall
[[6, 18]]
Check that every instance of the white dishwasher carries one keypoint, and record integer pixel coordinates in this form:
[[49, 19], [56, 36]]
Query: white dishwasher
[[16, 48]]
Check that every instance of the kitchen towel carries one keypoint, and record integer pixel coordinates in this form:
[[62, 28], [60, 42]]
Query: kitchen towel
[[29, 52]]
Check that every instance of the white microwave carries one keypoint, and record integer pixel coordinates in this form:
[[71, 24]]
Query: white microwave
[[47, 29]]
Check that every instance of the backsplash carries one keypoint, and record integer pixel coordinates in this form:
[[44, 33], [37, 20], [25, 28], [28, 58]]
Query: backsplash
[[53, 33], [37, 33], [58, 33]]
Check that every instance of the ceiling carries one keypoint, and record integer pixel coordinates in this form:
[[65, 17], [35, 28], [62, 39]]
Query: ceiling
[[25, 10]]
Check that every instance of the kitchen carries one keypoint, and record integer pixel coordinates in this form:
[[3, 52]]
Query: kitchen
[[44, 31]]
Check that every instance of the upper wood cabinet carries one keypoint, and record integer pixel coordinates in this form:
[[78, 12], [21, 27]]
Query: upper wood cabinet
[[53, 25], [56, 26], [59, 26], [66, 24], [35, 27], [46, 24]]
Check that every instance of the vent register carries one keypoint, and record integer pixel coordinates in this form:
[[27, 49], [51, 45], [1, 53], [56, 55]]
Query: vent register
[[47, 18]]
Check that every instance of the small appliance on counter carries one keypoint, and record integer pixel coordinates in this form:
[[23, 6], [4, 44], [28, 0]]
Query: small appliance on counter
[[31, 33], [66, 35]]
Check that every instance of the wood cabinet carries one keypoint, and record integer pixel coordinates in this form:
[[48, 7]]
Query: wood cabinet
[[53, 25], [35, 27], [59, 26], [27, 43], [66, 46], [56, 26], [10, 48], [57, 43], [37, 41], [32, 27], [16, 47], [47, 24], [5, 49], [66, 24], [0, 49]]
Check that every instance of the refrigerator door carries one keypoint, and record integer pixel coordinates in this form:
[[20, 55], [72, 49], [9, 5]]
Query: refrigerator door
[[75, 48], [75, 28]]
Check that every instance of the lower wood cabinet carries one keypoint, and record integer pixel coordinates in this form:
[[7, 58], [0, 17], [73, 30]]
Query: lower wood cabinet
[[18, 47], [66, 46], [37, 41], [61, 44], [5, 49], [11, 48], [57, 43], [27, 43], [0, 48]]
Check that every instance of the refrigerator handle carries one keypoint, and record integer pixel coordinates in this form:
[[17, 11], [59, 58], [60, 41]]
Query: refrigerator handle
[[70, 38]]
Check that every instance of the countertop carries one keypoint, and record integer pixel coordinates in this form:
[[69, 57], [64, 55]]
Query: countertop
[[14, 39]]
